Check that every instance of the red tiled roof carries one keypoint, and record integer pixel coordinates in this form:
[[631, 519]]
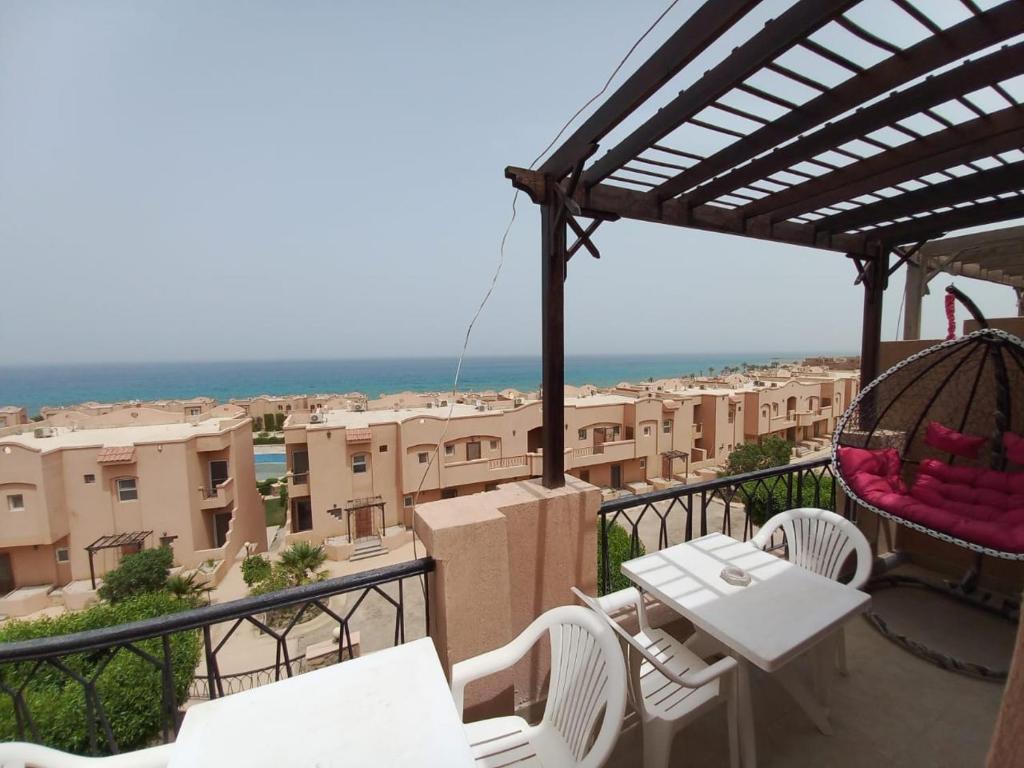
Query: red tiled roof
[[116, 454], [357, 435]]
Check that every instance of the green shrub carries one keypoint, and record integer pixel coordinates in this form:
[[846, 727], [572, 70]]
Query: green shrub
[[749, 457], [266, 439], [257, 423], [766, 498], [255, 568], [266, 487], [129, 688], [138, 574], [620, 549]]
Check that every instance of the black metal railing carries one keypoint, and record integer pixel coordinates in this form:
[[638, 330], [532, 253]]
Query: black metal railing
[[276, 615], [657, 520]]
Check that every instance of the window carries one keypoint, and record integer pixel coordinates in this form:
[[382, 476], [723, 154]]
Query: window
[[494, 445], [127, 490], [643, 462], [193, 411], [449, 493], [423, 457], [359, 464], [15, 503], [581, 434], [382, 449], [287, 407], [407, 501], [666, 426], [63, 556], [473, 450], [775, 408], [449, 449], [647, 431], [585, 475], [89, 479]]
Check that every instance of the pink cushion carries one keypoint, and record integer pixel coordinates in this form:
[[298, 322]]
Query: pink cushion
[[1014, 444], [950, 441], [885, 463]]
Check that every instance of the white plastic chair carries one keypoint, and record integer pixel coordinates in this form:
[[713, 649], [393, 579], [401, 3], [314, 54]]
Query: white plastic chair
[[587, 676], [19, 754], [670, 685], [821, 541]]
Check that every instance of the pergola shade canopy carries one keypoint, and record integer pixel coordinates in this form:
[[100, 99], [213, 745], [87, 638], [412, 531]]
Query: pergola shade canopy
[[849, 126], [867, 127]]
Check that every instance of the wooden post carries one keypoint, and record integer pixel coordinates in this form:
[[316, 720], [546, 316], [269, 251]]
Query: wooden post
[[553, 339], [871, 328]]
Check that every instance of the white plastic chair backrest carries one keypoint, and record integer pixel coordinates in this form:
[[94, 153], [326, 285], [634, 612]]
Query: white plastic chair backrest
[[588, 676], [15, 754], [636, 652], [820, 541]]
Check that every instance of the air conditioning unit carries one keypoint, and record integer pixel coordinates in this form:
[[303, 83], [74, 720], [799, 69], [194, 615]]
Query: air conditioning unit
[[444, 404], [518, 401], [360, 408], [481, 406], [315, 418], [44, 432]]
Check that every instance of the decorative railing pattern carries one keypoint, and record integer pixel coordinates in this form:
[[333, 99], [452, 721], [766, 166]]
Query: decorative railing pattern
[[508, 461], [756, 495], [275, 614]]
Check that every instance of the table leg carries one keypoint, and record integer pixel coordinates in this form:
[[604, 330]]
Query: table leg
[[789, 679], [748, 745]]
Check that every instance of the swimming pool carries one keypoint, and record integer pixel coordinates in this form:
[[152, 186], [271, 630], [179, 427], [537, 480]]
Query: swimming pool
[[270, 458]]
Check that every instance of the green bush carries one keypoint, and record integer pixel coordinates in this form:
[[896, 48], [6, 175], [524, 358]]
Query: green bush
[[279, 421], [620, 549], [138, 574], [257, 423], [266, 487], [766, 498], [266, 439], [129, 688], [255, 568], [749, 457]]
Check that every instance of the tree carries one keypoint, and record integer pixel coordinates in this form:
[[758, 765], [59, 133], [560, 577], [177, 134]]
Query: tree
[[257, 423], [129, 687], [188, 587], [279, 421], [138, 574], [620, 549], [302, 562], [749, 457]]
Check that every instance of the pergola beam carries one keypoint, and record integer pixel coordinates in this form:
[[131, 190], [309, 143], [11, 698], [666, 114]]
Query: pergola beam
[[1005, 178], [936, 224], [982, 137], [774, 39], [969, 76], [698, 32]]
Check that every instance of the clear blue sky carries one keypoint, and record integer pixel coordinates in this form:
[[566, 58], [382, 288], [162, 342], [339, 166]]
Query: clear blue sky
[[185, 179]]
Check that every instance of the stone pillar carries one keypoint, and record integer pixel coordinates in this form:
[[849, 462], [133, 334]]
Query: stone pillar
[[503, 558]]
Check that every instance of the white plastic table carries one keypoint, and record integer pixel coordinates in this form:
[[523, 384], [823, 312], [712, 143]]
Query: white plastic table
[[389, 708], [784, 612]]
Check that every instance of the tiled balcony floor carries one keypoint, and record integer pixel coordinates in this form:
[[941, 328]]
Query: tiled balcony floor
[[893, 710]]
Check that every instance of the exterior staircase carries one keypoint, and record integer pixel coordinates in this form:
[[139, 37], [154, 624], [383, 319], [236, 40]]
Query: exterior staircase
[[367, 548]]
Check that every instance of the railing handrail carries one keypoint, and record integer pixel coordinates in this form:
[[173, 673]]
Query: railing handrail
[[626, 502], [196, 618]]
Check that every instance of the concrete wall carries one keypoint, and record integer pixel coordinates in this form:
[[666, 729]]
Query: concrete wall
[[503, 558]]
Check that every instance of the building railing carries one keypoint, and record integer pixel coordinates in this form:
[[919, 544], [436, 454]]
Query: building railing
[[758, 495], [299, 478], [508, 461], [275, 615]]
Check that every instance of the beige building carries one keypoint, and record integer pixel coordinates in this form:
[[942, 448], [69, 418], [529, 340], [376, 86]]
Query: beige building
[[191, 408], [191, 485], [354, 474], [12, 416]]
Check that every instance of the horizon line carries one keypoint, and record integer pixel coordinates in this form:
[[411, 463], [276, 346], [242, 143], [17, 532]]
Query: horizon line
[[773, 354]]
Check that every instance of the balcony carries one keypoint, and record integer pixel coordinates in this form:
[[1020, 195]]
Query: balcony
[[698, 431], [806, 418], [782, 422], [893, 709], [207, 443], [221, 496], [602, 453]]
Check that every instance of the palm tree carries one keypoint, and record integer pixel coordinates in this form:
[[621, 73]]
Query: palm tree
[[302, 562], [188, 587]]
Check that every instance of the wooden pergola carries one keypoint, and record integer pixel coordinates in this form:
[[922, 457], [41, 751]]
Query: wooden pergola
[[114, 541], [825, 130]]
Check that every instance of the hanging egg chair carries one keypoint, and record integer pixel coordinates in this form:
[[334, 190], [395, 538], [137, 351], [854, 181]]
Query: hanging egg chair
[[936, 443]]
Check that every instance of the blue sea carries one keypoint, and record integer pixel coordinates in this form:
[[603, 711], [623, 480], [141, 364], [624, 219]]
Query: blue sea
[[39, 385]]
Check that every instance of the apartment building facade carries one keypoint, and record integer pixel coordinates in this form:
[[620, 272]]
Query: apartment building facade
[[355, 473], [12, 416], [189, 408], [190, 485]]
